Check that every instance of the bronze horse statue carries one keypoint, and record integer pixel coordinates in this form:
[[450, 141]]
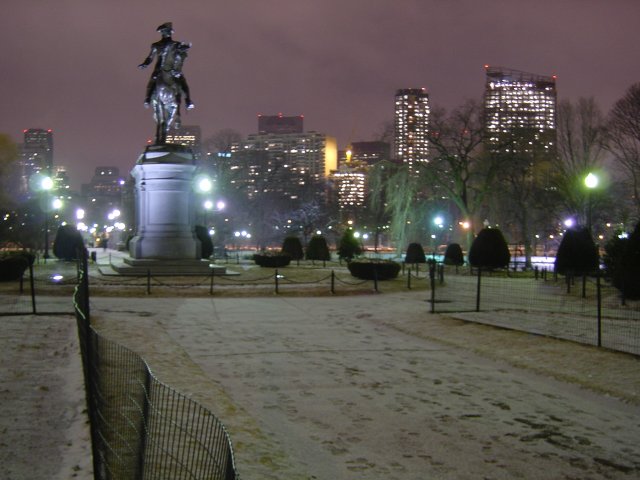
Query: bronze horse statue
[[165, 102]]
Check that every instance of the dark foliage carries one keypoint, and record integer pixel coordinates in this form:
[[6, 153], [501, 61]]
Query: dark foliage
[[371, 269], [415, 254], [577, 253], [206, 245], [613, 251], [317, 249], [349, 246], [489, 250], [68, 243], [626, 274], [13, 265], [270, 260], [453, 255], [292, 246]]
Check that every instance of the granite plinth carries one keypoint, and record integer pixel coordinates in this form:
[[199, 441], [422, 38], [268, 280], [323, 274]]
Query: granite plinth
[[158, 267]]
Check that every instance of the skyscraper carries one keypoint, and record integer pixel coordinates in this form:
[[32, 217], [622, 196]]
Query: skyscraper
[[411, 127], [37, 151], [520, 110], [188, 135]]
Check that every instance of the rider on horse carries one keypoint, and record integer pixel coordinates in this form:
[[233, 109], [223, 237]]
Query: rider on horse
[[171, 55]]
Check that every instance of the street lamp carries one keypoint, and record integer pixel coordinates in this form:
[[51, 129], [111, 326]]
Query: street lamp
[[591, 181]]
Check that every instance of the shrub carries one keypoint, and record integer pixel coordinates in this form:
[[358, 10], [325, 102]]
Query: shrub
[[13, 265], [293, 247], [613, 250], [349, 246], [453, 255], [68, 243], [371, 269], [272, 260], [489, 250], [206, 245], [577, 254], [626, 274], [415, 254], [317, 249]]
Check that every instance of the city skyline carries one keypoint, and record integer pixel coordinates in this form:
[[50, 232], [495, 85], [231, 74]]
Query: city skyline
[[71, 67]]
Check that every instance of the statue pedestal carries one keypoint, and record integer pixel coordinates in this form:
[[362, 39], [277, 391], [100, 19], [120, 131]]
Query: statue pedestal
[[165, 205]]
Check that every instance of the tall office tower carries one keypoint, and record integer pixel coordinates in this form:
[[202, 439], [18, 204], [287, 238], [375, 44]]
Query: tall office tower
[[61, 183], [411, 127], [291, 166], [188, 135], [37, 152], [349, 186], [106, 182], [520, 110], [280, 124]]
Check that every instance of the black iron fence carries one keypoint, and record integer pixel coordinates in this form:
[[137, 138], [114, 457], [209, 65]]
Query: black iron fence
[[583, 309], [140, 427]]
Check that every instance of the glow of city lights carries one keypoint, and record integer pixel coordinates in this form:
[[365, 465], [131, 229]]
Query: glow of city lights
[[82, 227], [569, 222], [80, 214], [46, 183], [56, 277], [365, 236], [204, 184], [356, 234], [318, 232], [438, 221], [208, 204], [465, 225], [221, 205], [591, 180], [57, 203], [212, 232]]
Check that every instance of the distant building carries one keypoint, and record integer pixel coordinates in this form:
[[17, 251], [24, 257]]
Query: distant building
[[350, 188], [411, 127], [188, 135], [520, 108], [61, 182], [280, 124], [291, 166], [106, 182], [36, 157], [370, 153]]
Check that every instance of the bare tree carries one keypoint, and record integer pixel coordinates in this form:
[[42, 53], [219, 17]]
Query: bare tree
[[460, 167], [624, 137], [581, 148]]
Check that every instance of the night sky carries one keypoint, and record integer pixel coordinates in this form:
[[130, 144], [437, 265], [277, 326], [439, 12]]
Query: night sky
[[70, 65]]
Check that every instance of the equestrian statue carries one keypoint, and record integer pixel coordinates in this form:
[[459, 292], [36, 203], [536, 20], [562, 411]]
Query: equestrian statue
[[167, 82]]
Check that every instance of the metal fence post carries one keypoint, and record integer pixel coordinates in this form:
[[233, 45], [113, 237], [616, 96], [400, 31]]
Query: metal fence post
[[409, 280], [33, 289], [333, 281], [375, 278], [432, 281], [478, 290], [599, 308]]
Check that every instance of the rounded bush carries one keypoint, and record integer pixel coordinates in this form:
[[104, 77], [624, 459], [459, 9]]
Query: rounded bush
[[206, 245], [577, 253], [371, 269], [453, 255], [293, 247], [317, 249], [13, 265], [349, 245], [489, 250], [626, 274], [68, 243], [272, 260], [415, 254]]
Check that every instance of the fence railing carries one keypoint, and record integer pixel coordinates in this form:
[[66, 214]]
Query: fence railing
[[140, 427], [583, 309]]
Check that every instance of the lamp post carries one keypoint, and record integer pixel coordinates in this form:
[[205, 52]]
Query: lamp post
[[591, 181], [46, 185]]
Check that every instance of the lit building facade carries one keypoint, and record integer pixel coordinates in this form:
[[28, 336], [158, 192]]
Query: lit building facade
[[292, 166], [106, 182], [349, 185], [520, 106], [188, 135], [411, 127], [37, 152]]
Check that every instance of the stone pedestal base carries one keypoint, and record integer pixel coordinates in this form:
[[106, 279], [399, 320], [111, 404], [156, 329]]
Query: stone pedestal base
[[165, 206], [155, 267]]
